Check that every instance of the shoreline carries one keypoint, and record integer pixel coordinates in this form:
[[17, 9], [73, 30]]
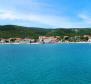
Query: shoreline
[[46, 43]]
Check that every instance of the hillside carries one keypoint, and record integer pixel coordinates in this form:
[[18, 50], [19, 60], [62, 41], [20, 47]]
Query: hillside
[[12, 31]]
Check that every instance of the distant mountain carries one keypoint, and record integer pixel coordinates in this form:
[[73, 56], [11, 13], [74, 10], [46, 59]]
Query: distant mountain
[[14, 31]]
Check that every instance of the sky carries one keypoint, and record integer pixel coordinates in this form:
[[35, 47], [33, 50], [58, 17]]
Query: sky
[[46, 13]]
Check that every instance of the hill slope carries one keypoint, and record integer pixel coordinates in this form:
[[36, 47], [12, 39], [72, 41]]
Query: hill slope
[[12, 31]]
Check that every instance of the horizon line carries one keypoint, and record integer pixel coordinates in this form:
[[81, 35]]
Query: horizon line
[[45, 27]]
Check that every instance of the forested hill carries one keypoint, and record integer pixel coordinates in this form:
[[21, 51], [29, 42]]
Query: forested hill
[[13, 31]]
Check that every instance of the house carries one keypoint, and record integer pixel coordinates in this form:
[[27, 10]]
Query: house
[[89, 38], [18, 40], [49, 39], [2, 40]]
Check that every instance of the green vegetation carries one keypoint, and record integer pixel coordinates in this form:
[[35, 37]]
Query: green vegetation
[[13, 31]]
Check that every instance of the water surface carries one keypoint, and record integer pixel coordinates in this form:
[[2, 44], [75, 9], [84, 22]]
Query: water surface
[[45, 64]]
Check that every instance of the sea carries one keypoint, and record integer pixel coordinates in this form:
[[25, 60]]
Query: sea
[[45, 64]]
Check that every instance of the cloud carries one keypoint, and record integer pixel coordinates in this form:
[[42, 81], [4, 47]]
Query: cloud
[[34, 11], [85, 18], [7, 14], [46, 19], [43, 19]]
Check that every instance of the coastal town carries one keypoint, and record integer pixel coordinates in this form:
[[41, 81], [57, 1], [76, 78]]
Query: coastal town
[[47, 40]]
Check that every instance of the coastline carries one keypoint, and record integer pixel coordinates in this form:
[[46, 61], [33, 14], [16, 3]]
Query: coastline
[[45, 43]]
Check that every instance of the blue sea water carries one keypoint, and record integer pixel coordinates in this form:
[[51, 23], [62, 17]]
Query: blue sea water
[[45, 64]]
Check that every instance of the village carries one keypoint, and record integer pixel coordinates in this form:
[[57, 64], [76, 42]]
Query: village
[[47, 40]]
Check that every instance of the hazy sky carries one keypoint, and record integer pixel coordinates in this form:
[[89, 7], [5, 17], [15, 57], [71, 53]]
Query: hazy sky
[[46, 13]]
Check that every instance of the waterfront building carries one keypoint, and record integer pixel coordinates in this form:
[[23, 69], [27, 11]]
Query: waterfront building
[[48, 39]]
